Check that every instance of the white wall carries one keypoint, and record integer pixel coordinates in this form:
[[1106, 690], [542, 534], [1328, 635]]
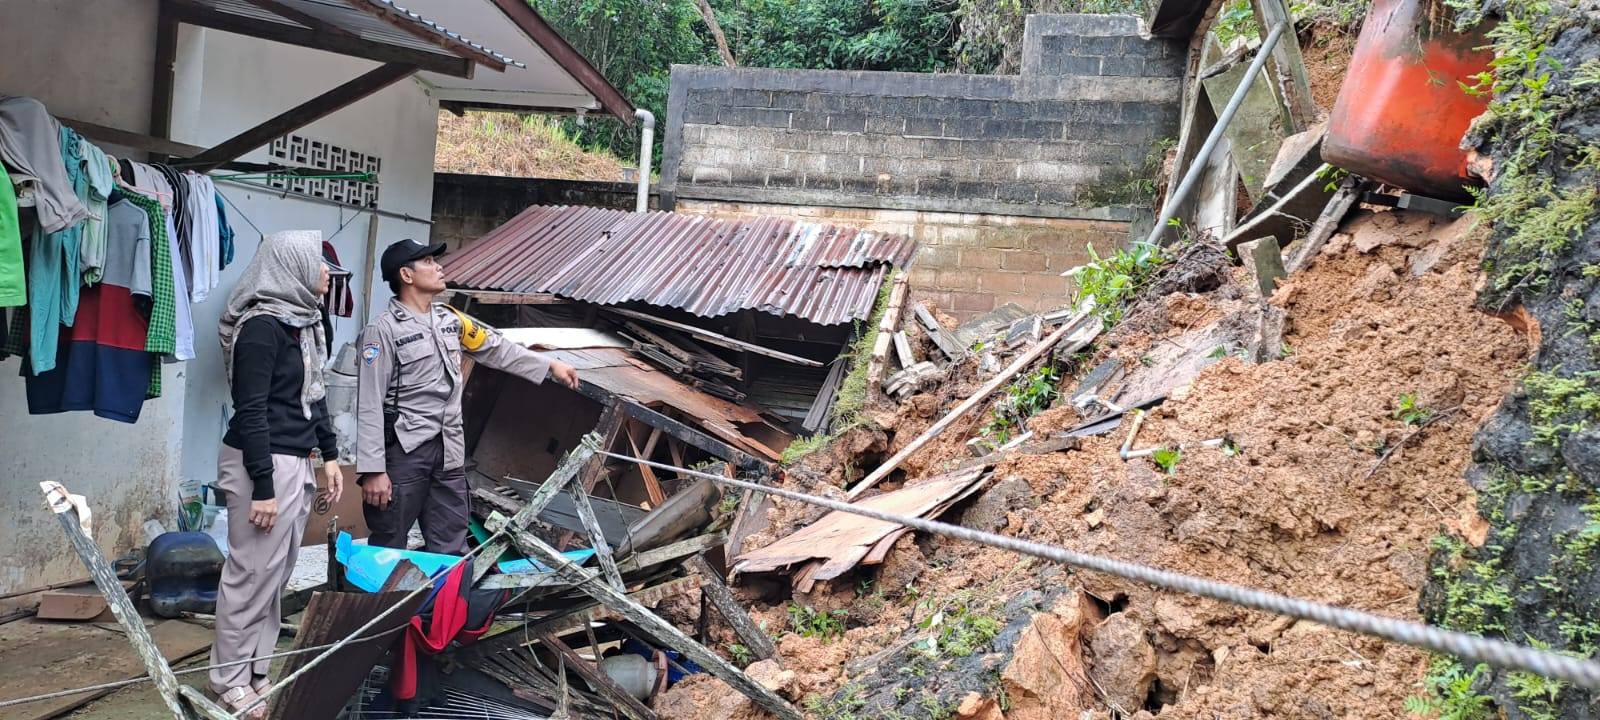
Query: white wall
[[226, 83]]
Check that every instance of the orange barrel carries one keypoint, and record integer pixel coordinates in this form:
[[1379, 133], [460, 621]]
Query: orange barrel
[[1401, 112]]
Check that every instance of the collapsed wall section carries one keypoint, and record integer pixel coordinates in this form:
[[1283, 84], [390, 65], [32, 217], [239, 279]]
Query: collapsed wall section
[[1075, 139]]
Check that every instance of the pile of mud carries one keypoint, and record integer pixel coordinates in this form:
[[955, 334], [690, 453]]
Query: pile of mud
[[1385, 359]]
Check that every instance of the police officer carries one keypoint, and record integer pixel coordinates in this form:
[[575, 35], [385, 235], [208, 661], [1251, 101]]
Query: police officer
[[410, 453]]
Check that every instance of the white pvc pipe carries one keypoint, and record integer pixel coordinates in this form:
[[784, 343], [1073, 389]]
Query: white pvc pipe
[[647, 138]]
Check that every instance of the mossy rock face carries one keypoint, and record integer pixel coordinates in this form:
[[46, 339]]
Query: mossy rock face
[[1536, 580]]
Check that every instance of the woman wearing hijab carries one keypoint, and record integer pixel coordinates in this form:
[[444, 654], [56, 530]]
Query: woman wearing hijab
[[274, 350]]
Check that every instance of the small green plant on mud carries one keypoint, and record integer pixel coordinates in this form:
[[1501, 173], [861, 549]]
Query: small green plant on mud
[[1167, 459], [1113, 280], [1022, 400], [807, 621], [1561, 405], [959, 626], [740, 654], [1448, 693], [1409, 413], [843, 705]]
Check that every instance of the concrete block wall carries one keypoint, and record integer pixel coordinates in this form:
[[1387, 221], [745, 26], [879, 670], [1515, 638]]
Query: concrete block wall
[[1069, 139]]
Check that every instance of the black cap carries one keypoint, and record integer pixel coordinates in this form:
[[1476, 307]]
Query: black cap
[[396, 256]]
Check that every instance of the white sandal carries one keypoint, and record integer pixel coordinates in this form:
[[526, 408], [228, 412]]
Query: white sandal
[[239, 698]]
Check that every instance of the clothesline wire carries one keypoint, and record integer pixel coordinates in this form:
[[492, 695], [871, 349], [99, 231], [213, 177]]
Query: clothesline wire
[[1476, 648]]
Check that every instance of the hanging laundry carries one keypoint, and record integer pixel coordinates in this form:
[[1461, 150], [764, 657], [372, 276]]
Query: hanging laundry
[[224, 234], [180, 219], [97, 170], [204, 235], [13, 286], [152, 180], [30, 145], [53, 278], [161, 338], [339, 300], [104, 367]]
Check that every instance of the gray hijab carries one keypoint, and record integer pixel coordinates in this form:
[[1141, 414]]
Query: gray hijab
[[279, 281]]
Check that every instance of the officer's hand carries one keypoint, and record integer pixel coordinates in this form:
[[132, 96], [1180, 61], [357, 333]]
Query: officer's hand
[[264, 513], [335, 477], [376, 490], [565, 374]]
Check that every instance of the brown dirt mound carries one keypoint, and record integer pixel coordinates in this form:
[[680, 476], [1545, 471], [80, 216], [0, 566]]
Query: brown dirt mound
[[1384, 312]]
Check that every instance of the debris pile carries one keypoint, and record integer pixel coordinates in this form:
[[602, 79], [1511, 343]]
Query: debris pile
[[1309, 443]]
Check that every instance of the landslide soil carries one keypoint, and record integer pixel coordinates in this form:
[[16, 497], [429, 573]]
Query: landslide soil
[[1304, 507]]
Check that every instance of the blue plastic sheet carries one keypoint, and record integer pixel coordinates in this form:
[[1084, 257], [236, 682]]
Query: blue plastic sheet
[[368, 566]]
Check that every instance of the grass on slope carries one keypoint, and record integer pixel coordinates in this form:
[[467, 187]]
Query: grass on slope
[[492, 143]]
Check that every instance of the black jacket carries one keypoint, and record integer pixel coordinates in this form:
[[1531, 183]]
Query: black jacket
[[267, 418]]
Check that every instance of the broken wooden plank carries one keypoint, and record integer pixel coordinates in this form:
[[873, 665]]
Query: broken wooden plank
[[662, 631], [591, 673], [817, 416], [1297, 209], [1300, 253], [62, 504], [541, 497], [597, 538], [714, 589], [1084, 329], [902, 349], [608, 428], [838, 541], [682, 548], [886, 328], [941, 338], [1288, 67], [652, 486], [715, 338]]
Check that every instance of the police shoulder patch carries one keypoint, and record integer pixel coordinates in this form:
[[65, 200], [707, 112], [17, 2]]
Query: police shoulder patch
[[369, 353]]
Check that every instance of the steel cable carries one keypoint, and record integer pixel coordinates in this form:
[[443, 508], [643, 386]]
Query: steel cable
[[1584, 673]]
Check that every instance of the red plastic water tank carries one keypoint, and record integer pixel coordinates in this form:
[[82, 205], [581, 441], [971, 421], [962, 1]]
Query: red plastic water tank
[[1401, 112]]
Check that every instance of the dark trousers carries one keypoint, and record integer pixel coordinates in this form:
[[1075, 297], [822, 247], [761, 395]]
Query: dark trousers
[[423, 492]]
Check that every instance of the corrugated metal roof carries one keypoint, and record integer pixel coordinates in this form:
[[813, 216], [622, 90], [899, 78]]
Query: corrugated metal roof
[[706, 266], [360, 23]]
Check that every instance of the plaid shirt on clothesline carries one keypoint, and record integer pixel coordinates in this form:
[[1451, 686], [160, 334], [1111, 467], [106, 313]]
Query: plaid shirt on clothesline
[[163, 336]]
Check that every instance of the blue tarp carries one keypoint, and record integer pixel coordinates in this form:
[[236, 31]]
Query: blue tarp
[[367, 566]]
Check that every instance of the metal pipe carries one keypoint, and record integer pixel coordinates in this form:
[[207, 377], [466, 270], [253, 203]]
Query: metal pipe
[[1197, 166], [647, 138]]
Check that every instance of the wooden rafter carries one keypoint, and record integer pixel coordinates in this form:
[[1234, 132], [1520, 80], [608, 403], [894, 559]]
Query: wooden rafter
[[291, 13], [304, 114], [387, 13], [202, 16]]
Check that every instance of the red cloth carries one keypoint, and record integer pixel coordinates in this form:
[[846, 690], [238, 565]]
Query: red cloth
[[447, 623]]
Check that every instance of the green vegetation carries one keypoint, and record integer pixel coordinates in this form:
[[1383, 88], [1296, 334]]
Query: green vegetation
[[739, 654], [960, 626], [843, 705], [1409, 413], [1025, 398], [1237, 20], [810, 622], [1449, 693], [1167, 459], [1115, 279], [1561, 406], [852, 395]]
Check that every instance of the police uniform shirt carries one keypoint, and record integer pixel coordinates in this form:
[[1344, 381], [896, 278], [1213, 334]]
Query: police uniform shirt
[[415, 360]]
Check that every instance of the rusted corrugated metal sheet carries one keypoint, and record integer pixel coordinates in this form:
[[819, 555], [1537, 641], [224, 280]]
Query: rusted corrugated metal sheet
[[827, 274]]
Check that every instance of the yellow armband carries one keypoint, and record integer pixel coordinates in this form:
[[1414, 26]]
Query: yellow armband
[[473, 333]]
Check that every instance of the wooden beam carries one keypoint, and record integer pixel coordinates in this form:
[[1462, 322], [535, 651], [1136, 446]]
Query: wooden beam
[[1085, 327], [306, 113], [716, 590], [1288, 66], [597, 538], [198, 15], [166, 73], [716, 338], [652, 486], [662, 631], [388, 13], [607, 429], [522, 14], [293, 14], [590, 672], [560, 478], [133, 140], [886, 330]]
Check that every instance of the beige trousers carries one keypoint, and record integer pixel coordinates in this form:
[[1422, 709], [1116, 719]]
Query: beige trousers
[[249, 606]]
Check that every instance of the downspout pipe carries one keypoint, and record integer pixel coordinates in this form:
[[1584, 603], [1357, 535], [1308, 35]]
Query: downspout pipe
[[647, 139], [1197, 166]]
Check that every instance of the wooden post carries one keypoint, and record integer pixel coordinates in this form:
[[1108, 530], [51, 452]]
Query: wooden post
[[886, 328], [597, 537], [105, 578], [1289, 68], [717, 592], [563, 475], [1267, 258], [662, 631], [652, 486], [609, 426], [984, 392], [161, 87], [628, 704]]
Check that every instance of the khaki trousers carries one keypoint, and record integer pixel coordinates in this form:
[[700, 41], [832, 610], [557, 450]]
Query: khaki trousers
[[249, 606]]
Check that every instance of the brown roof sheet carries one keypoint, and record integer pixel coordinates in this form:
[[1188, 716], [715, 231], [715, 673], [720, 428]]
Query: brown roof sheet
[[827, 274]]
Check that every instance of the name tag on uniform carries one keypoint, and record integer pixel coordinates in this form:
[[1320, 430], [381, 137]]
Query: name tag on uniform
[[407, 340]]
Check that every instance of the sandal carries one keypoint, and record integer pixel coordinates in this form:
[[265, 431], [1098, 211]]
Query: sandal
[[260, 684], [239, 698]]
